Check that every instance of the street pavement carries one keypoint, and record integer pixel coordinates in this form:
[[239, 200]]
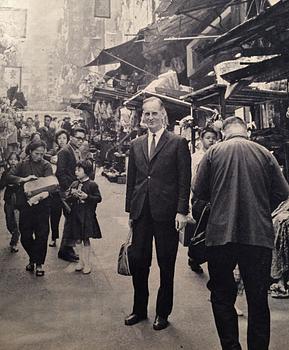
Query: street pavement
[[66, 310]]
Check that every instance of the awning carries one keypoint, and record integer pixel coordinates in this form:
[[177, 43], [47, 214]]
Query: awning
[[129, 51], [109, 94], [156, 35], [271, 26], [171, 7], [247, 96], [176, 108], [273, 69]]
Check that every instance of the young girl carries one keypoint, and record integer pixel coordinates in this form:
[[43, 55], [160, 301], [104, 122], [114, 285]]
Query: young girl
[[83, 196], [11, 213]]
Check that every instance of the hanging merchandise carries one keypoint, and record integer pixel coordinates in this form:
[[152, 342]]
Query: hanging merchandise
[[97, 110], [109, 111], [103, 114], [125, 119]]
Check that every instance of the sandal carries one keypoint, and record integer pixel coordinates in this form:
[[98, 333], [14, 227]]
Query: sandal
[[39, 271], [30, 267]]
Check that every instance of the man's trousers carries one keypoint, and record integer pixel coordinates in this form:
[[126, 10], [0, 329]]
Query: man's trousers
[[255, 264], [166, 242]]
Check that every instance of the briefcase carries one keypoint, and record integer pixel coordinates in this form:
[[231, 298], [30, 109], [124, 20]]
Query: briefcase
[[42, 184], [123, 265]]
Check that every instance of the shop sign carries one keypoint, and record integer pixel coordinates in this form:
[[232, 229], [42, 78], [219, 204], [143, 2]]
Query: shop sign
[[12, 76], [102, 8]]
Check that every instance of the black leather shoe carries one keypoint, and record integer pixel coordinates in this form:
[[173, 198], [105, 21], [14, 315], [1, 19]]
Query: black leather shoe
[[67, 257], [134, 319], [160, 323], [30, 267], [195, 267]]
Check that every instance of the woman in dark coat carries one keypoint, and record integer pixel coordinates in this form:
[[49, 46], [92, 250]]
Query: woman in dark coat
[[83, 196], [33, 220]]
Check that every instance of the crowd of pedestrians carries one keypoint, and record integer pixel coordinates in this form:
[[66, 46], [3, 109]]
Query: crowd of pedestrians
[[238, 180], [43, 151]]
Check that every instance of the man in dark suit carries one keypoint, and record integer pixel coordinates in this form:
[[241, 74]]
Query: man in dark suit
[[157, 197], [47, 133], [67, 158]]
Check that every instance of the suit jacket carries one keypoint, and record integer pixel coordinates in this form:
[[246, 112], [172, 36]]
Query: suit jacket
[[165, 179], [65, 171]]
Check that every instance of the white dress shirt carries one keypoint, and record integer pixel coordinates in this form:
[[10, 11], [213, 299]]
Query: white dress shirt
[[157, 138]]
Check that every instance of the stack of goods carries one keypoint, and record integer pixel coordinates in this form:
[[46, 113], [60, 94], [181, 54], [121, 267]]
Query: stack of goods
[[280, 262]]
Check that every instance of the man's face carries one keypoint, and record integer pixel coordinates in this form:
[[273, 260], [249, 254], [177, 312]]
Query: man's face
[[47, 122], [29, 122], [153, 115], [77, 139], [208, 140]]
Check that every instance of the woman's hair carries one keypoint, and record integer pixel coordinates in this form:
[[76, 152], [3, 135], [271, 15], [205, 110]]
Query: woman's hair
[[33, 135], [60, 132], [86, 165], [10, 156], [33, 145]]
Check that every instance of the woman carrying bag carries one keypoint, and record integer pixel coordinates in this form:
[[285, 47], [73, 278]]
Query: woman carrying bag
[[34, 219]]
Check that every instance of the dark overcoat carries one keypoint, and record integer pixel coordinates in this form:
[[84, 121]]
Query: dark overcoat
[[65, 169], [243, 182], [82, 221]]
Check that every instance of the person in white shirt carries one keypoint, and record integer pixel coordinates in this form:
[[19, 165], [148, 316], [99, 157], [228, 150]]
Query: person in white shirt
[[208, 137]]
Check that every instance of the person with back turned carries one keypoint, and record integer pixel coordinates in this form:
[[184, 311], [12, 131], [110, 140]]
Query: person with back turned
[[157, 198], [244, 184]]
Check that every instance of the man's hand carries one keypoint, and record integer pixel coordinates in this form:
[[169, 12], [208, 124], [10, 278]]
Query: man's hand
[[181, 221]]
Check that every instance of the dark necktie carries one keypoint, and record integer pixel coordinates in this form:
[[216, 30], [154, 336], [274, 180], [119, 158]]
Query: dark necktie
[[153, 146]]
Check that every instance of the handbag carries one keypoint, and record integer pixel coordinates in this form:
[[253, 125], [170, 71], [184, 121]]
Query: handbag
[[197, 247], [123, 265]]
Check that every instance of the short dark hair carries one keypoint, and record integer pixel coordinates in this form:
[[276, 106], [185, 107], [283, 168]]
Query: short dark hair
[[33, 134], [60, 132], [33, 145], [86, 165], [208, 129], [48, 116], [77, 129], [234, 120], [11, 154]]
